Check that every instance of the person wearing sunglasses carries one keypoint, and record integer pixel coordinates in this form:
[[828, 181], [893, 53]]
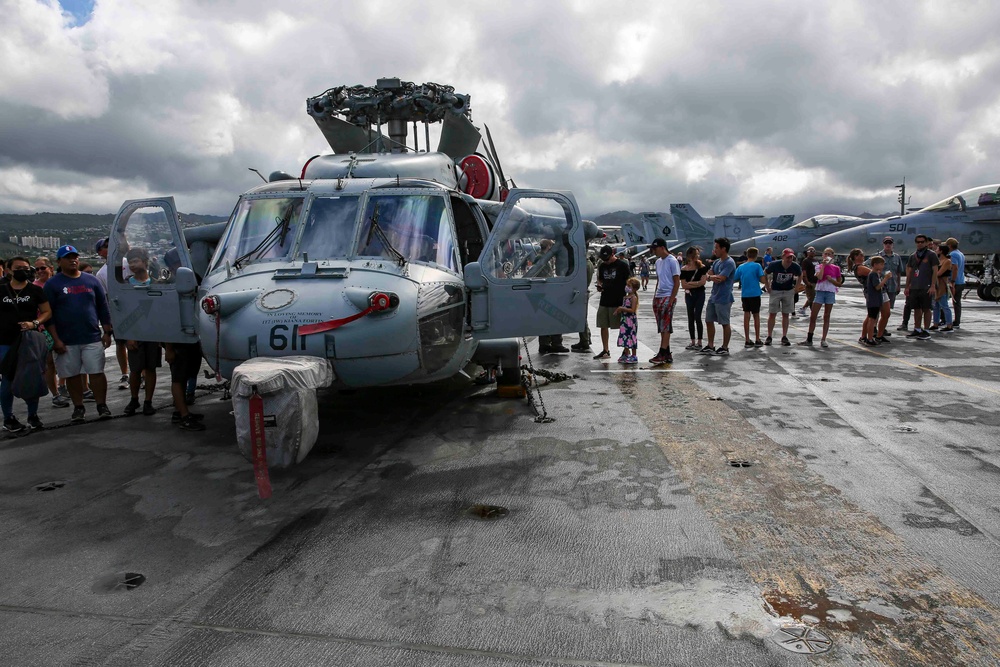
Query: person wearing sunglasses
[[895, 264]]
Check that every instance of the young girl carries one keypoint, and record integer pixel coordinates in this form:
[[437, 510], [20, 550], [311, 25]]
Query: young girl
[[942, 297], [828, 281], [644, 272], [628, 332]]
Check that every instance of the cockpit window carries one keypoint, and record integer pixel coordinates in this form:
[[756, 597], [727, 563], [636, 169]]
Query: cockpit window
[[329, 227], [808, 223], [417, 226], [986, 195], [260, 229]]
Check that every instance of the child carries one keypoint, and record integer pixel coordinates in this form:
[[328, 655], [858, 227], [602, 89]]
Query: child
[[877, 301], [628, 332], [749, 275]]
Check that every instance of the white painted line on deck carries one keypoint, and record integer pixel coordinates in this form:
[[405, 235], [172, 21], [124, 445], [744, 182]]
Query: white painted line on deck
[[649, 368]]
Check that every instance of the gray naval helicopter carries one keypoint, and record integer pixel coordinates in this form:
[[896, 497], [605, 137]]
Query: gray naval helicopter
[[398, 264]]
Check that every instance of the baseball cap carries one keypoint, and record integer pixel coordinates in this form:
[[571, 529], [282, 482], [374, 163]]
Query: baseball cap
[[66, 250], [658, 243], [103, 243], [787, 251], [888, 239], [607, 252]]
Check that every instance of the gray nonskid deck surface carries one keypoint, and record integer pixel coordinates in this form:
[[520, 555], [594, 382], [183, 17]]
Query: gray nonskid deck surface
[[622, 545]]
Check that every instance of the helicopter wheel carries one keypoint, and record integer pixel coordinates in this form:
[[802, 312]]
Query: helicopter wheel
[[993, 292]]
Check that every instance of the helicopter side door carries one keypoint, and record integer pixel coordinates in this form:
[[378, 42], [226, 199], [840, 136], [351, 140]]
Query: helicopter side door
[[530, 279], [152, 289]]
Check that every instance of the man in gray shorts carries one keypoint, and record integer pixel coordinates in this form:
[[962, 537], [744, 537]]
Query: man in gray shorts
[[720, 302], [611, 276], [781, 278]]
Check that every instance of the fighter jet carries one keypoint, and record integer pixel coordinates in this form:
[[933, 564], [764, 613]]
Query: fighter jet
[[399, 265], [798, 236], [694, 230], [972, 217]]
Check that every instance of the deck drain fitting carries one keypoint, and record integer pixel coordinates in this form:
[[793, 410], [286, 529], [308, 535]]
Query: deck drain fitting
[[50, 486], [119, 581], [802, 639], [829, 380], [740, 463], [489, 512], [715, 398], [906, 429]]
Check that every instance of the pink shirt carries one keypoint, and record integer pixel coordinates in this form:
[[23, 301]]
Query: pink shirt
[[831, 271]]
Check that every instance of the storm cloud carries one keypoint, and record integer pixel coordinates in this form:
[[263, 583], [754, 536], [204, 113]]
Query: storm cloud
[[766, 107]]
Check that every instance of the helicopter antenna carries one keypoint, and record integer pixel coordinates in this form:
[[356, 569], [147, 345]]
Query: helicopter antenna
[[496, 158], [258, 173]]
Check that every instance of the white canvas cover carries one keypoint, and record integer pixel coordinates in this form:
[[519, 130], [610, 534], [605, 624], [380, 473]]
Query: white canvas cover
[[291, 416]]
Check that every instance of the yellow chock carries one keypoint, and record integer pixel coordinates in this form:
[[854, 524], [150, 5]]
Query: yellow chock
[[511, 391]]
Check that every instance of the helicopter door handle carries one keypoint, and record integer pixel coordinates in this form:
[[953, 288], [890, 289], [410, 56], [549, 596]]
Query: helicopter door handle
[[576, 293]]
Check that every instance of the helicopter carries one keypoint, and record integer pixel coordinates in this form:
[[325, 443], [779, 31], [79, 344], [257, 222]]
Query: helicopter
[[396, 264]]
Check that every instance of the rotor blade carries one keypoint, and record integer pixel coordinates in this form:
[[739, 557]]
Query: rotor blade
[[459, 137], [342, 136], [496, 158]]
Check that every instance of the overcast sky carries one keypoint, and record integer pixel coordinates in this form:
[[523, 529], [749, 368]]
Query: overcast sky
[[762, 107]]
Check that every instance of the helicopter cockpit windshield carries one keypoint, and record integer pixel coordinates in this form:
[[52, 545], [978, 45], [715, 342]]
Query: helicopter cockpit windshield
[[418, 227], [261, 229]]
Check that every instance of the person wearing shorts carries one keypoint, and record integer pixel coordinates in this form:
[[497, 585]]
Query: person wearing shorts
[[781, 278], [748, 275], [185, 362], [143, 359], [668, 278], [809, 279], [828, 279], [920, 290], [612, 273], [79, 312], [720, 302]]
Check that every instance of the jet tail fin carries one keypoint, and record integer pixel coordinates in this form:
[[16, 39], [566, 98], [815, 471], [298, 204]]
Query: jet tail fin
[[691, 227]]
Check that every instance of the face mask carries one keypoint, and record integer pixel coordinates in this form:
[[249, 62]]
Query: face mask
[[628, 290], [22, 275]]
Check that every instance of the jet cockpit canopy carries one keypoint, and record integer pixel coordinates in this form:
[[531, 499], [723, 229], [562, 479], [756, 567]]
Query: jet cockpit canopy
[[984, 195]]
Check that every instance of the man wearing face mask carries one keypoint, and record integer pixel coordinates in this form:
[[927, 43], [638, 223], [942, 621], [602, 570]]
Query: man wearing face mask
[[23, 307]]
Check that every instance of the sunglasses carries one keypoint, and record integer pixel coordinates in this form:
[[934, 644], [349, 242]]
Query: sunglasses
[[887, 242]]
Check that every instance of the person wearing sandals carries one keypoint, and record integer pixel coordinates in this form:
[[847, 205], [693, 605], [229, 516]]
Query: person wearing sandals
[[942, 306], [826, 281], [693, 278]]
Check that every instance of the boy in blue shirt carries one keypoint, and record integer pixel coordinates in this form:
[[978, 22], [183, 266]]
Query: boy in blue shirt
[[749, 275]]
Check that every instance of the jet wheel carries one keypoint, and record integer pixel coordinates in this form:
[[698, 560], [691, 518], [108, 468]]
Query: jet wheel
[[993, 292]]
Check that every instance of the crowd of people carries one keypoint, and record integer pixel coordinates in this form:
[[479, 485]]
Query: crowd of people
[[55, 325], [931, 279]]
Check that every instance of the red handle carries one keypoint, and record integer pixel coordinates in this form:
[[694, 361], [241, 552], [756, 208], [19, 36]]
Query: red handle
[[379, 303]]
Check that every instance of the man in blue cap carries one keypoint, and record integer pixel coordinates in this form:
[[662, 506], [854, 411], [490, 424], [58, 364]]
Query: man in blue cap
[[79, 310]]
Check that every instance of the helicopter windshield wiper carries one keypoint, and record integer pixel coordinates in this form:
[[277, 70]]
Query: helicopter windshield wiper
[[279, 233], [376, 229]]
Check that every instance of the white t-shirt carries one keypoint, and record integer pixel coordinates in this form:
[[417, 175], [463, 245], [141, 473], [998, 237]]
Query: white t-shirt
[[667, 271]]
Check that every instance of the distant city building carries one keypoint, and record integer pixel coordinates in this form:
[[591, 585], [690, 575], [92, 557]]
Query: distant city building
[[13, 239], [45, 242]]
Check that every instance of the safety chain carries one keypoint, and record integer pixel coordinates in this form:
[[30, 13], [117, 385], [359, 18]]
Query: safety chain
[[527, 379]]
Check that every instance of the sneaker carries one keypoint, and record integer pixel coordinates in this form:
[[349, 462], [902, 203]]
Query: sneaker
[[189, 398], [668, 358], [60, 402], [658, 359], [622, 359], [758, 343], [579, 347], [708, 349], [604, 354], [693, 346], [148, 409], [886, 334], [11, 425], [131, 408], [902, 327], [177, 419], [34, 423], [103, 412], [948, 330], [933, 327], [79, 414], [870, 342], [722, 352], [785, 341], [89, 395], [923, 335], [914, 334], [558, 349], [190, 424], [123, 383], [882, 339], [807, 341], [767, 341], [749, 343], [823, 343], [632, 360]]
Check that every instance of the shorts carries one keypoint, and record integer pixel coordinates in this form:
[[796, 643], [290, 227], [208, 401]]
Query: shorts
[[663, 311], [81, 360], [811, 292], [919, 299], [607, 318], [780, 302], [751, 304], [147, 357], [873, 313], [186, 363], [825, 297], [718, 312]]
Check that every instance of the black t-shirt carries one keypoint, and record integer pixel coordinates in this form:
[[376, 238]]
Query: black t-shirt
[[694, 275], [809, 271], [613, 276], [18, 306], [781, 278]]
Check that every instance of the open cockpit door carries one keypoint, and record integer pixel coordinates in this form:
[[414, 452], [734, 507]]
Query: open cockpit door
[[530, 279], [151, 286]]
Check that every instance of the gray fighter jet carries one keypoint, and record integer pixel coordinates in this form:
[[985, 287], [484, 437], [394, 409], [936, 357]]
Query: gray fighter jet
[[398, 264], [799, 235], [694, 230], [972, 217]]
